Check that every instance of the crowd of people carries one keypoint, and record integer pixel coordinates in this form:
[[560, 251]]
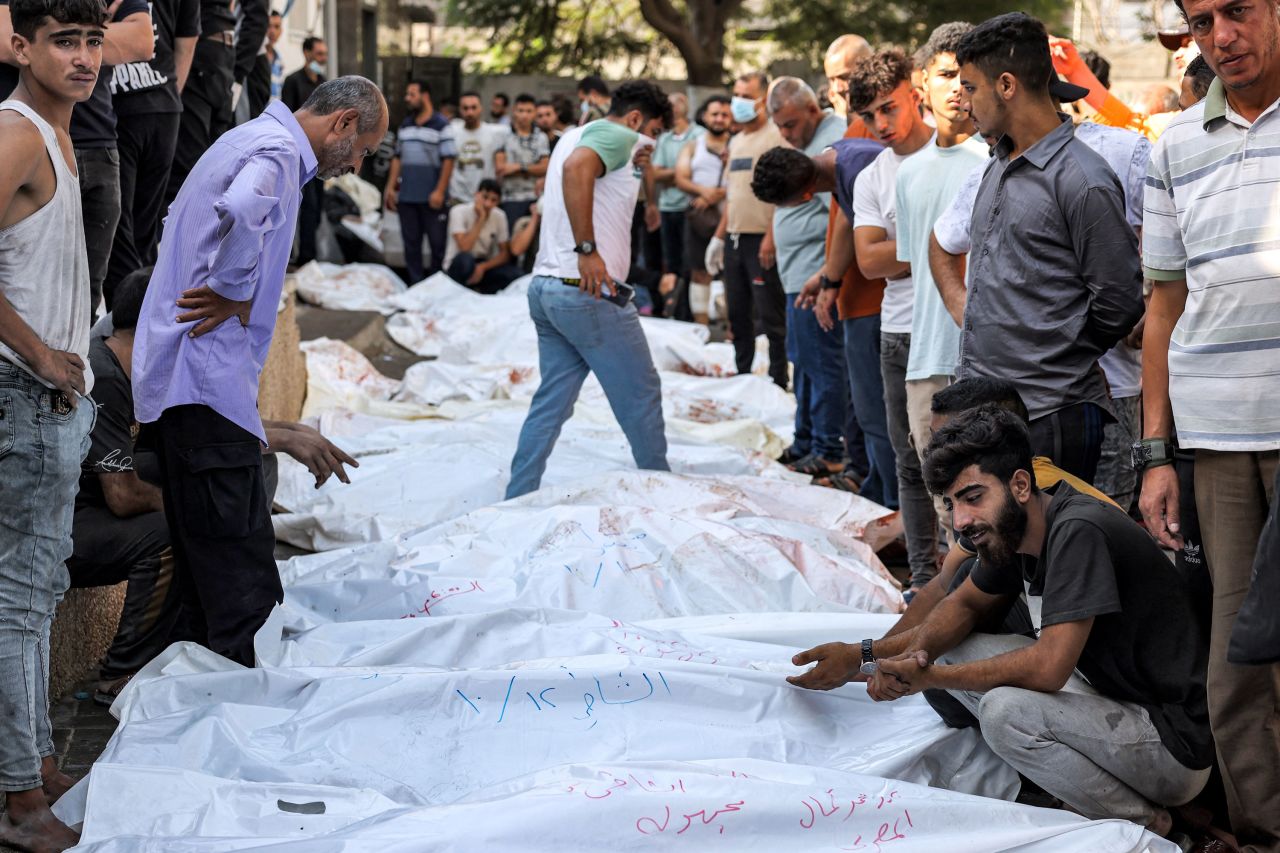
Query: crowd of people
[[1040, 331], [1018, 396]]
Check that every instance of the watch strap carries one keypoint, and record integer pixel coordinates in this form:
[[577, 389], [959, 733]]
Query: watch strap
[[868, 654]]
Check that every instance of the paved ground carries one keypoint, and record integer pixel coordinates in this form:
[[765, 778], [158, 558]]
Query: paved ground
[[81, 729]]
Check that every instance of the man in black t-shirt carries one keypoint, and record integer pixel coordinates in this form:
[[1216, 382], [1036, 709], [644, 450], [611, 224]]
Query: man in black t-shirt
[[231, 34], [120, 532], [1106, 708], [148, 104]]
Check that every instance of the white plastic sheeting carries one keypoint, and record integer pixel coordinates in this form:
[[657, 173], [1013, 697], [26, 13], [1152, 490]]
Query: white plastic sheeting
[[413, 474], [353, 287], [739, 804], [600, 663]]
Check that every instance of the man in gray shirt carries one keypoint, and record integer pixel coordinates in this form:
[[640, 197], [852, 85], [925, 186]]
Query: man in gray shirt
[[1054, 278]]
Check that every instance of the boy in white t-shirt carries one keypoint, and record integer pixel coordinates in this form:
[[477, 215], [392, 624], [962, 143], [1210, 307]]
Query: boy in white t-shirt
[[479, 252], [881, 94], [585, 320]]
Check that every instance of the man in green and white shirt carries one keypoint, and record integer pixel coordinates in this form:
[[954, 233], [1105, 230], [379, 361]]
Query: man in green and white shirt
[[1211, 366], [585, 323]]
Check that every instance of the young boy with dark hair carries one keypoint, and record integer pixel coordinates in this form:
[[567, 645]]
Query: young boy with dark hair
[[45, 416]]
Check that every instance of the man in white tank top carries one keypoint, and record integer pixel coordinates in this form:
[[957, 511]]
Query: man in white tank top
[[45, 415], [700, 173]]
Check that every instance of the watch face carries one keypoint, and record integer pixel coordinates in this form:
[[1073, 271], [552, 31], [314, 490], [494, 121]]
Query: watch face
[[869, 668], [1140, 456]]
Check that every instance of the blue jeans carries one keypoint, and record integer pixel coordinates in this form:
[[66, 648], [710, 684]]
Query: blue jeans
[[821, 385], [578, 335], [41, 449], [866, 393], [418, 219]]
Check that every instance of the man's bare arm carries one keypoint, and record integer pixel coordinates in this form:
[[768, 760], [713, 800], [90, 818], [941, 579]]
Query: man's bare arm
[[1044, 665], [130, 40], [1159, 501], [128, 495], [184, 51], [877, 254], [948, 274]]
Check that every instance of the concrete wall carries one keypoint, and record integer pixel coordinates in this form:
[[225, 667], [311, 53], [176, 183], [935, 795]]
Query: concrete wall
[[87, 618]]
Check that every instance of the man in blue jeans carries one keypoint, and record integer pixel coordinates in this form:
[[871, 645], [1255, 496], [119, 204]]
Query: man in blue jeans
[[584, 319], [45, 415], [785, 177], [800, 233]]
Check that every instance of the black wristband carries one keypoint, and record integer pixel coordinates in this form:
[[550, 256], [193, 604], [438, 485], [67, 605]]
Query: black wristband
[[827, 284]]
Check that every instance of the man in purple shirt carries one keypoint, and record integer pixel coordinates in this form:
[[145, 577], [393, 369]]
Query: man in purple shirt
[[195, 376]]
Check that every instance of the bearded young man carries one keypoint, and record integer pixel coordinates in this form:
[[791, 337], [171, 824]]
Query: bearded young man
[[1105, 709]]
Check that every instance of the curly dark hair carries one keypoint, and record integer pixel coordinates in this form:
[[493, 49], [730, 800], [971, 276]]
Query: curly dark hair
[[876, 76], [781, 175], [945, 38], [642, 95], [1015, 43], [991, 437], [29, 15], [979, 391], [1201, 75]]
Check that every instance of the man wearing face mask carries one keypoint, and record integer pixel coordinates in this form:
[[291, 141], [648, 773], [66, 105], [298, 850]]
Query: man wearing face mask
[[202, 339], [743, 245], [593, 98], [298, 86]]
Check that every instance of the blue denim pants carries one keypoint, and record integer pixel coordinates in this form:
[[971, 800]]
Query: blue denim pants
[[41, 449], [577, 335], [866, 393], [821, 383]]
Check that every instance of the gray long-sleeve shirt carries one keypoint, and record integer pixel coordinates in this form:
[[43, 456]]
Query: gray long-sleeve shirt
[[1055, 277]]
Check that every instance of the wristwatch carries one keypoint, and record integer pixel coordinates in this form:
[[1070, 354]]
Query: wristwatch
[[586, 247], [827, 284], [1151, 453], [868, 659]]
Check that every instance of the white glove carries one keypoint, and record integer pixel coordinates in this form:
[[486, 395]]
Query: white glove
[[713, 260]]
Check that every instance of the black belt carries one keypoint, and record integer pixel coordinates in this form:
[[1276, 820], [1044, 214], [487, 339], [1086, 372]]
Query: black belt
[[226, 37]]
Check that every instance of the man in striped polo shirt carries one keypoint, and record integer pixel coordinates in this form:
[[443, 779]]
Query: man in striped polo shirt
[[1211, 364], [418, 183]]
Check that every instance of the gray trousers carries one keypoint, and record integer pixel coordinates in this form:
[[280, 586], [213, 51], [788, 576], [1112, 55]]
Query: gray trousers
[[1116, 477], [919, 519], [1100, 756]]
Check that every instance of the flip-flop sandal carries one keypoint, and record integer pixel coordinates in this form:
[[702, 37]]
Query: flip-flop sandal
[[814, 466], [845, 481]]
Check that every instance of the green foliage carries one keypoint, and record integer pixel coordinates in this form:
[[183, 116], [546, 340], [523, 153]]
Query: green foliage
[[805, 28], [578, 36], [559, 36]]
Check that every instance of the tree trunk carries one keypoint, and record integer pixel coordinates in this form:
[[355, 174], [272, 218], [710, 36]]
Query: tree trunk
[[697, 33]]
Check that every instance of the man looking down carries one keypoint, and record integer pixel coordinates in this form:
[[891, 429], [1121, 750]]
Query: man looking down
[[1105, 709]]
